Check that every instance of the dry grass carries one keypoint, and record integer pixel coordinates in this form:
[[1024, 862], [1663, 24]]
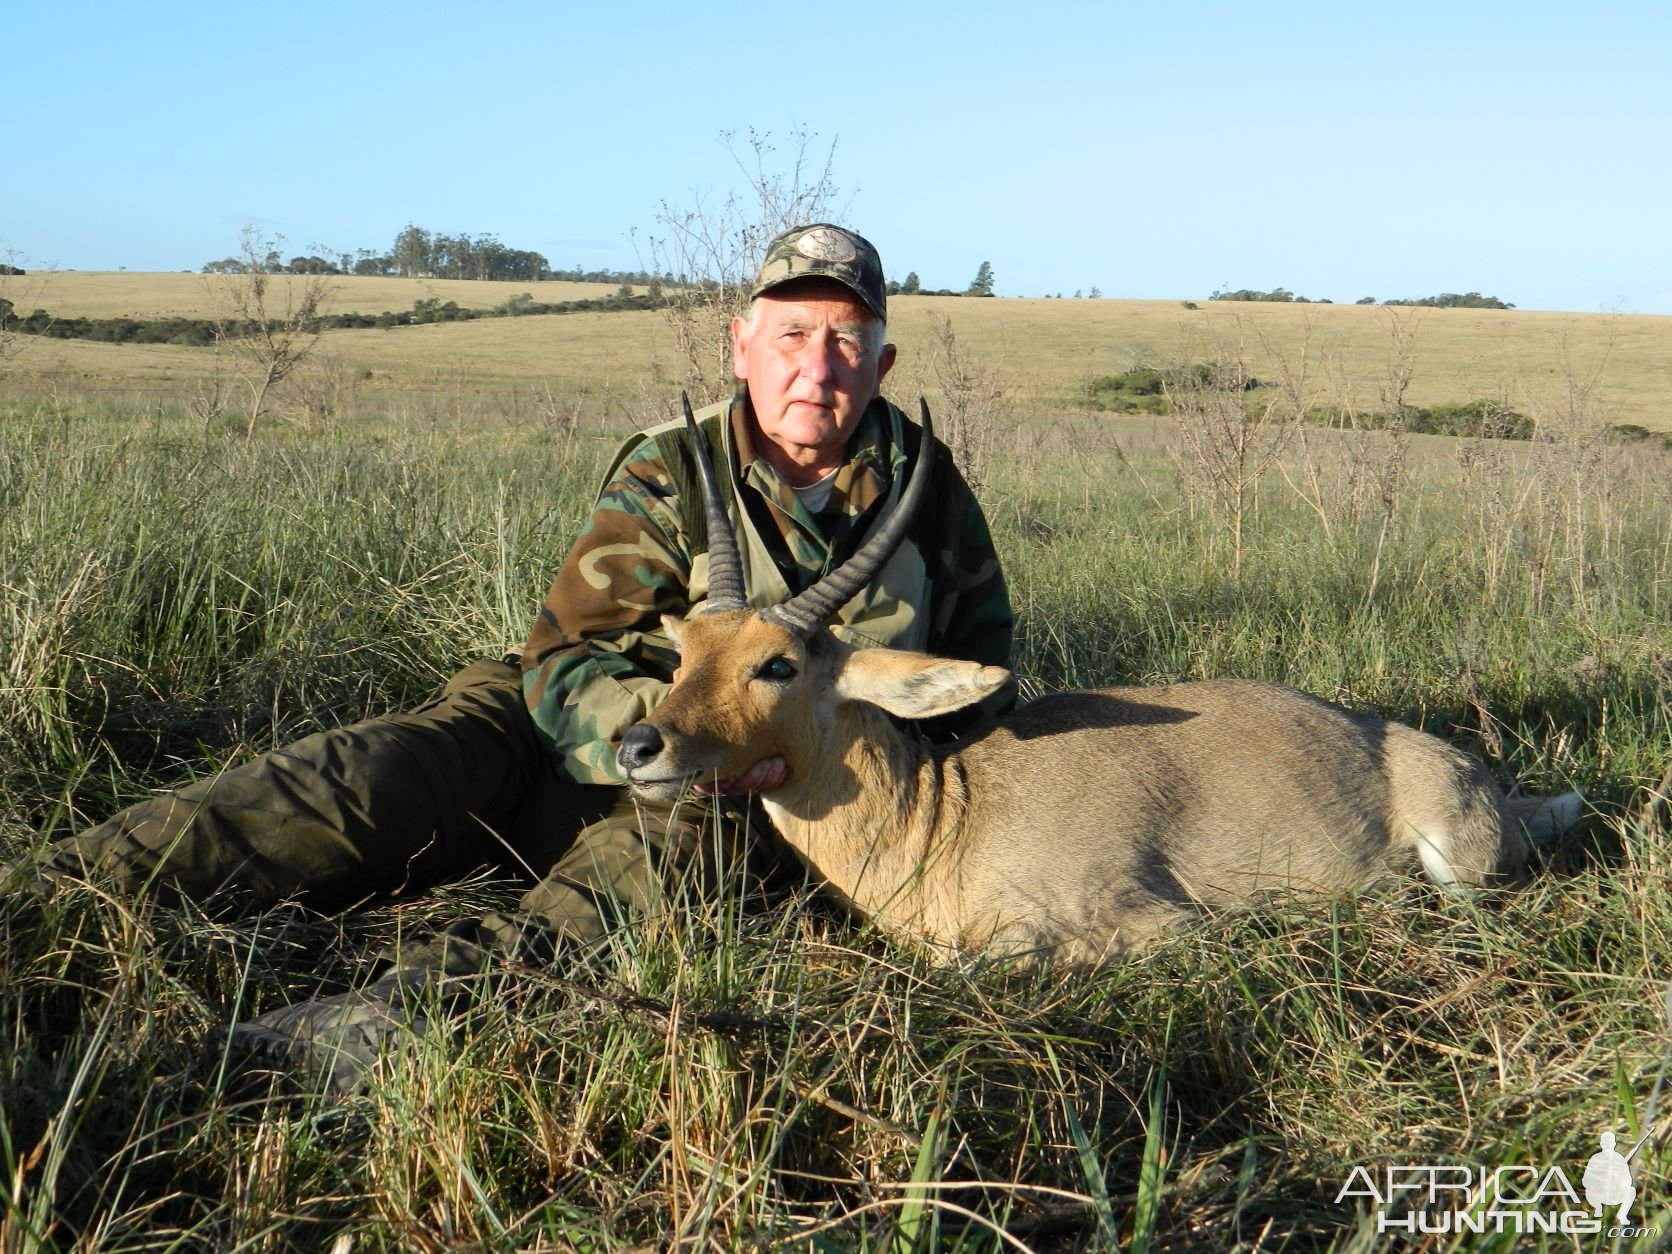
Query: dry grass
[[121, 294], [1046, 349], [1459, 354], [730, 1078]]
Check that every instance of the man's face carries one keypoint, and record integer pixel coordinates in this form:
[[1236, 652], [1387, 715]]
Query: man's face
[[810, 372]]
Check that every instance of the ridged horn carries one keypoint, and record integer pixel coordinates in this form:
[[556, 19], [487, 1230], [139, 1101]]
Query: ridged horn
[[725, 567], [809, 611]]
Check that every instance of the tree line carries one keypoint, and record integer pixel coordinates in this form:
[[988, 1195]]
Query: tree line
[[1445, 300], [420, 253]]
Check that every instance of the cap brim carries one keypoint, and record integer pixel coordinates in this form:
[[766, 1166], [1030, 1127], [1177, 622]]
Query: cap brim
[[829, 277]]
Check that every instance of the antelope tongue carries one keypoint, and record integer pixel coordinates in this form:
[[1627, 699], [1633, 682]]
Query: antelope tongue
[[763, 776]]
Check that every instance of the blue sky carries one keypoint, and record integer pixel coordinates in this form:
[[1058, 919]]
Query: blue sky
[[1154, 151]]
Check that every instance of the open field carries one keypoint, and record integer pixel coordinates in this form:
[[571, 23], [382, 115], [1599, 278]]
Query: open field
[[1045, 351], [735, 1077], [129, 294]]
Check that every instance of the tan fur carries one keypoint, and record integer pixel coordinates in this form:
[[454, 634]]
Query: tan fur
[[1082, 824]]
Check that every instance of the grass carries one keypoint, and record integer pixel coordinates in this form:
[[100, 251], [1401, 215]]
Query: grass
[[726, 1076], [124, 294], [1050, 350]]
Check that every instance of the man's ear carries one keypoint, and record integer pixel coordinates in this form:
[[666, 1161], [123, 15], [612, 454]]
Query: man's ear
[[671, 627], [739, 349], [915, 685]]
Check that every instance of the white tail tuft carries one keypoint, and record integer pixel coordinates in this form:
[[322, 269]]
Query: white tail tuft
[[1543, 819]]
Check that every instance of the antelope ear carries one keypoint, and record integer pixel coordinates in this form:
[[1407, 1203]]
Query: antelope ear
[[673, 626], [915, 685]]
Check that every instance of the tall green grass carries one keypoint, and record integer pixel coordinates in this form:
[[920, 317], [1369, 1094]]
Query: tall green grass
[[735, 1077]]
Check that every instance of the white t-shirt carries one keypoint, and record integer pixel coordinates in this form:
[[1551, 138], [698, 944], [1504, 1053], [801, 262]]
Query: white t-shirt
[[815, 496]]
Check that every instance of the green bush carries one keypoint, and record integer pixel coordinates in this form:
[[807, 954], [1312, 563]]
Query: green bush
[[1139, 391]]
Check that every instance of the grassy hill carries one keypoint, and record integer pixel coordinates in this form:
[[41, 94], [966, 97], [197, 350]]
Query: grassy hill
[[1043, 353]]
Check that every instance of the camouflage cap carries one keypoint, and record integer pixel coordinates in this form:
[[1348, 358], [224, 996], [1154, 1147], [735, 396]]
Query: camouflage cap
[[823, 251]]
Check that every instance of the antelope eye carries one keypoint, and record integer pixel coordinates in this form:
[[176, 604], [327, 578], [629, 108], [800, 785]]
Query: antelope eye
[[779, 669]]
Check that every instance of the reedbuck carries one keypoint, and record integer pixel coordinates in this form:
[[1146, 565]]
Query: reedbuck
[[1080, 825]]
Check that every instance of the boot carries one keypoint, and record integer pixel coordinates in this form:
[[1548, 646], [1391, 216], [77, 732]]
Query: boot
[[338, 1039]]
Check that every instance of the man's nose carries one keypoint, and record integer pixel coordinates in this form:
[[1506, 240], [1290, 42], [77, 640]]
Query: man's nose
[[818, 360]]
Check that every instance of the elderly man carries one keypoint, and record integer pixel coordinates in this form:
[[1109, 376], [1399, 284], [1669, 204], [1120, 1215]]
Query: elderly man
[[496, 770]]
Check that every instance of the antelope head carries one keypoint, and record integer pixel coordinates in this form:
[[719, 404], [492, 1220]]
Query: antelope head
[[759, 684]]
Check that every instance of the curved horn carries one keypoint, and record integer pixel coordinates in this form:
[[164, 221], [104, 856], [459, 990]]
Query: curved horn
[[725, 567], [807, 612]]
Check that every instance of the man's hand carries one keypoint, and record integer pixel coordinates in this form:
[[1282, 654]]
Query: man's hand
[[763, 776]]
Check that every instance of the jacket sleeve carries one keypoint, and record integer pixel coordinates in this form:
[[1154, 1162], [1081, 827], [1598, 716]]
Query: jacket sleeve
[[597, 660]]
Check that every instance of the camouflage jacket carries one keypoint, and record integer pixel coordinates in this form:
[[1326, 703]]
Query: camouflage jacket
[[597, 661]]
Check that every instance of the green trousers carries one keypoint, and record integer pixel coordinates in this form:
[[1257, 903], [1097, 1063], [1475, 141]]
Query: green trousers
[[394, 804]]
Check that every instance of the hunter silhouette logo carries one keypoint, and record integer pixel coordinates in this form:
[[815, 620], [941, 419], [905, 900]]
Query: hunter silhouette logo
[[1607, 1178]]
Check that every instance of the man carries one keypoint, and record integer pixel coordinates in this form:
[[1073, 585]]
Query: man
[[810, 455]]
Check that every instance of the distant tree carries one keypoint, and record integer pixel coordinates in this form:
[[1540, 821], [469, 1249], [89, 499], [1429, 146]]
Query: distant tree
[[912, 286], [412, 252], [1365, 300], [982, 284], [1278, 295], [266, 320], [1078, 294], [1096, 293], [1451, 300]]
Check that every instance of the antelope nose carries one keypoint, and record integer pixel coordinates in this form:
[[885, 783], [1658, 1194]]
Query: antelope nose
[[639, 746]]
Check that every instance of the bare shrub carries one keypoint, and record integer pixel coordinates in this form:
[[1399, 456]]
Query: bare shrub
[[1383, 452], [208, 398], [1572, 429], [1226, 440], [320, 391], [706, 254], [559, 416], [1303, 395], [20, 294], [266, 322], [970, 394]]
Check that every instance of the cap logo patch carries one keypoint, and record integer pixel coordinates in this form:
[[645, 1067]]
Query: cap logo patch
[[823, 243]]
